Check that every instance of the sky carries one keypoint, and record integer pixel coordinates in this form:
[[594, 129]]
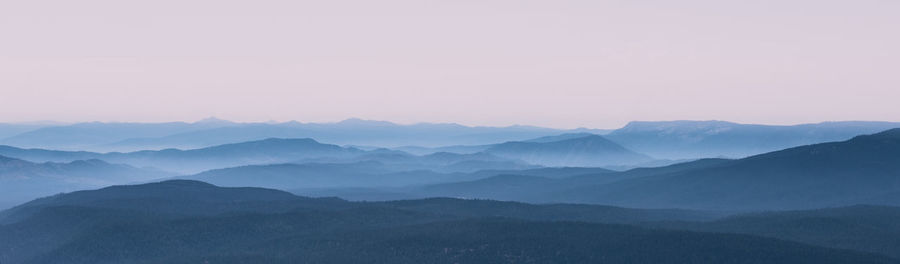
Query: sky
[[554, 63]]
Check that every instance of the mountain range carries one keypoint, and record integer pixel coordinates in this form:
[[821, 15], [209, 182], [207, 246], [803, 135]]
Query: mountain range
[[274, 151], [569, 151], [128, 137], [9, 130], [94, 135], [583, 151], [859, 170], [21, 180], [195, 160], [651, 192], [668, 140], [679, 140], [862, 170], [191, 222]]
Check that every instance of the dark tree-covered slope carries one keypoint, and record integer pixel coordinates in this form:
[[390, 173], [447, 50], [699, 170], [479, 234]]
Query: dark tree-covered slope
[[194, 222]]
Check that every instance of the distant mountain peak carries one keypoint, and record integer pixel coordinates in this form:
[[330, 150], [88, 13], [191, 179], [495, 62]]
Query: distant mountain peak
[[263, 144], [676, 124], [90, 162], [562, 137], [213, 120], [285, 140], [359, 121], [581, 139], [573, 150]]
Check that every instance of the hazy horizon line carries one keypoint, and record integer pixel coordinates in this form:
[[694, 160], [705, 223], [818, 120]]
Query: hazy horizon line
[[51, 122]]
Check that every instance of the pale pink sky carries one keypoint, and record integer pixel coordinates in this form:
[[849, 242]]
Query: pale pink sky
[[558, 63]]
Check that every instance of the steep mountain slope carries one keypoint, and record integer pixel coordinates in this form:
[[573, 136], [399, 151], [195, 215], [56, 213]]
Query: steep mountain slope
[[584, 151], [193, 222], [865, 169], [705, 139], [828, 174]]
